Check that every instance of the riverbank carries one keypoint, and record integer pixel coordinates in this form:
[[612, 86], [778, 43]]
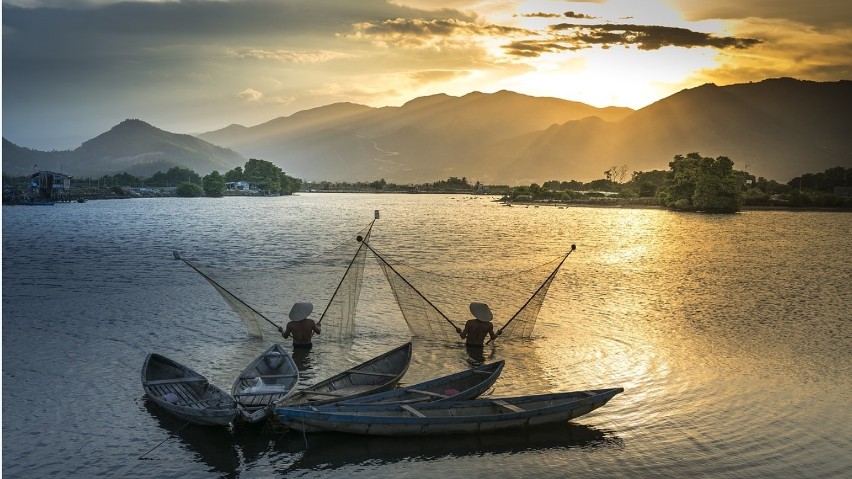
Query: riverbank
[[593, 202]]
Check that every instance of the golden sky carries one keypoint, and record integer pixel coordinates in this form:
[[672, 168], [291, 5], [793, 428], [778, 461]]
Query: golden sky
[[72, 69]]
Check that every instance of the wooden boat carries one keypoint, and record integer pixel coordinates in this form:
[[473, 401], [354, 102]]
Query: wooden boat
[[271, 377], [186, 393], [467, 384], [447, 417], [373, 376]]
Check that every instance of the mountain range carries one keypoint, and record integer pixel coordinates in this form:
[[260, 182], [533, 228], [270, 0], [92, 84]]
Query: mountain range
[[777, 129]]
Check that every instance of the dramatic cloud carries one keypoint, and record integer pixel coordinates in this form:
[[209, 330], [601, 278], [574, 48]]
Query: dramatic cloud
[[645, 37], [416, 32], [75, 68]]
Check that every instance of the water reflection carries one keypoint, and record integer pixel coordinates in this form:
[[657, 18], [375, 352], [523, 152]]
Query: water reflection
[[213, 446], [330, 451]]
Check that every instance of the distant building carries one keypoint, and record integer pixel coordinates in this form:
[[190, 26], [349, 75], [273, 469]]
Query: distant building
[[238, 185], [49, 185]]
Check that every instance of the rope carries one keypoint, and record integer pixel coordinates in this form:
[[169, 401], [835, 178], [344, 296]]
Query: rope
[[163, 441]]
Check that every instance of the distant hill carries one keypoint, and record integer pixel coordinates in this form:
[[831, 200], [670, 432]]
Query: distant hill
[[427, 139], [777, 129], [132, 146]]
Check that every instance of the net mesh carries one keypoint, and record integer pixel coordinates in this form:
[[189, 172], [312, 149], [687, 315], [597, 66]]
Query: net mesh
[[263, 295], [434, 304]]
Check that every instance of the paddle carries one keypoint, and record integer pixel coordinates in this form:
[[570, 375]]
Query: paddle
[[362, 240], [549, 278]]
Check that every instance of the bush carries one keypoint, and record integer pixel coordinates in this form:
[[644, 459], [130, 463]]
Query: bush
[[189, 190]]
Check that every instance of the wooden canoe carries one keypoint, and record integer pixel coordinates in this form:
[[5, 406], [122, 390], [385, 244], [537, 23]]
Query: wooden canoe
[[185, 393], [373, 376], [467, 384], [447, 417], [270, 377]]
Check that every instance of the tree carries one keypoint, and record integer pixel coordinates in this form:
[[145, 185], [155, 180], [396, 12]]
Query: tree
[[702, 184], [187, 189], [234, 175], [214, 184], [378, 185], [174, 176]]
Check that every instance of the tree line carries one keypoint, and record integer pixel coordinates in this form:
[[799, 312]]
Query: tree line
[[263, 176], [696, 183]]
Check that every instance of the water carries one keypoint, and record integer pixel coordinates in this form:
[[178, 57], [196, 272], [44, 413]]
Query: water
[[730, 335]]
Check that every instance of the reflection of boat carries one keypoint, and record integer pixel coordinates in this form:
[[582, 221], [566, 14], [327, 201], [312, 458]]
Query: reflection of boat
[[375, 375], [186, 393], [332, 451], [271, 377], [447, 417], [214, 446], [467, 384]]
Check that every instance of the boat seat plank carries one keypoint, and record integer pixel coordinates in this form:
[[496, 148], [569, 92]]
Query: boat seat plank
[[254, 399], [326, 393], [370, 373], [505, 405], [429, 393], [276, 376], [173, 381], [412, 410]]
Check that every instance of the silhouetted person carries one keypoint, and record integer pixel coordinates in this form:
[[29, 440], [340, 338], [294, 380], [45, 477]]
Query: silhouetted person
[[476, 329], [300, 327]]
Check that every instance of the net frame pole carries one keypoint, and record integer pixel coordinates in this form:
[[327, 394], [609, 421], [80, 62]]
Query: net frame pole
[[211, 280], [364, 241], [367, 235], [549, 279]]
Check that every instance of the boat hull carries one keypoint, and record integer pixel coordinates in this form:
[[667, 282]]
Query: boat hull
[[186, 394], [373, 376], [269, 378], [451, 417], [467, 384]]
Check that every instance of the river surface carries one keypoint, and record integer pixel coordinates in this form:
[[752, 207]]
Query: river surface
[[730, 334]]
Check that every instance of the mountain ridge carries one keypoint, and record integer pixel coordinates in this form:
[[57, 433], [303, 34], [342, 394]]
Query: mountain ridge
[[775, 128]]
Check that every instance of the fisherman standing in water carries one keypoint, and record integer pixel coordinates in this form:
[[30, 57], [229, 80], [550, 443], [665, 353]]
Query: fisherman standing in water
[[300, 327], [475, 330]]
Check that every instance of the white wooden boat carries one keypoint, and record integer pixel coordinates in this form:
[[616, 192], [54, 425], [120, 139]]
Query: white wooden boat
[[270, 377], [447, 417], [467, 384], [186, 393], [375, 375]]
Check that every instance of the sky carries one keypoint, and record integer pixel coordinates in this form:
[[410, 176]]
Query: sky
[[73, 69]]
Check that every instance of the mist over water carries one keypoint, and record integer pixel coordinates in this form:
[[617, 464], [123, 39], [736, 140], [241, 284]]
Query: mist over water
[[730, 335]]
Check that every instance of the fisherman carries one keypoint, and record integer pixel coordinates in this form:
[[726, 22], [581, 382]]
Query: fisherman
[[476, 329], [300, 327]]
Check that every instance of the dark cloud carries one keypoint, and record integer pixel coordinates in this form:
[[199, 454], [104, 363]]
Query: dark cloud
[[419, 28], [540, 15], [581, 16], [644, 37], [533, 48]]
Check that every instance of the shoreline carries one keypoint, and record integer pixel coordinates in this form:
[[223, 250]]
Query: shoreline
[[640, 203]]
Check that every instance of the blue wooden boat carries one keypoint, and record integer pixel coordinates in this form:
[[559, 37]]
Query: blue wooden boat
[[269, 378], [185, 393], [372, 376], [447, 417], [467, 384]]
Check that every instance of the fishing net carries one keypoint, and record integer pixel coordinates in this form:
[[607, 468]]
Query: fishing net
[[434, 304], [262, 295]]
